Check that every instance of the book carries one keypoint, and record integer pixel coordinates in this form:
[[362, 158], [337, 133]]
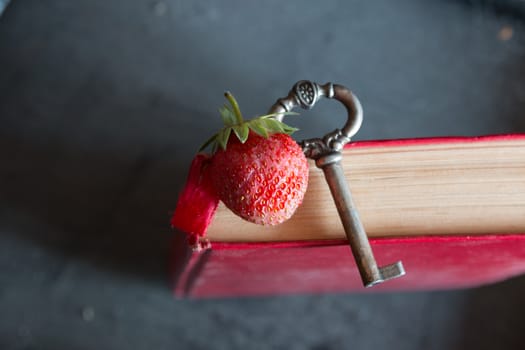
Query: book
[[452, 209]]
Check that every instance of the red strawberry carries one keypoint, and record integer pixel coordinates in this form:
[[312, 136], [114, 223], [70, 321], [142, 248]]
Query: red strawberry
[[262, 180], [261, 174], [256, 169]]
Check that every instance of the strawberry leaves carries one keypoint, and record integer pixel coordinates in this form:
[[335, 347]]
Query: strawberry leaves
[[266, 125], [227, 115], [223, 136], [233, 121], [241, 131]]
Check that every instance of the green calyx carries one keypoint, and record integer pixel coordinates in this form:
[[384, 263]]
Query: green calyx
[[264, 125]]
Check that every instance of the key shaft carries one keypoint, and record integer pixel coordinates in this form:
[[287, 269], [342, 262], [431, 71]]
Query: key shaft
[[370, 273]]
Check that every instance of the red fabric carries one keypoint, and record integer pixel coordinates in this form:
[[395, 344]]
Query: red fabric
[[197, 203], [439, 262]]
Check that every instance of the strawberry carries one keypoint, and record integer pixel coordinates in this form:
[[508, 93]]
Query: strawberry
[[263, 180], [256, 169]]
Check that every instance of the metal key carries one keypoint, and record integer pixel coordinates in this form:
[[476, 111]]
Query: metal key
[[326, 152]]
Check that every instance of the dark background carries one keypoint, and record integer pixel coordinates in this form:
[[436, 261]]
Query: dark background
[[103, 104]]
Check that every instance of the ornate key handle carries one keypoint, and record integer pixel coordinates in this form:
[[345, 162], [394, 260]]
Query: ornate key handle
[[326, 152], [305, 94]]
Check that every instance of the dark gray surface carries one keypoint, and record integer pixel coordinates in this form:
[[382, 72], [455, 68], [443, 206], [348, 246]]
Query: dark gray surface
[[3, 5], [103, 103]]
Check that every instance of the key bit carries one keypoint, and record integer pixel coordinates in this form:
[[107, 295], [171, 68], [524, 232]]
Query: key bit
[[326, 152]]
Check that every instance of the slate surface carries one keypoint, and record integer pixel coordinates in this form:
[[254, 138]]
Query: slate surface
[[103, 103]]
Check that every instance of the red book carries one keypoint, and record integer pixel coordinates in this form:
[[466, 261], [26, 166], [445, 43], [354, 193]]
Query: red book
[[451, 209]]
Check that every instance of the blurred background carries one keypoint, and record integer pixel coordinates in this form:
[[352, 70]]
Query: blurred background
[[103, 104]]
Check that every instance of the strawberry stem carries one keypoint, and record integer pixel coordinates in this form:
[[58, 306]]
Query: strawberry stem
[[235, 106], [264, 125]]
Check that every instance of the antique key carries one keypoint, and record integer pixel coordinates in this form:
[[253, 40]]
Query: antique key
[[326, 152]]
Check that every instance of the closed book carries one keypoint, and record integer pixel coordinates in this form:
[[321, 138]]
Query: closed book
[[451, 209]]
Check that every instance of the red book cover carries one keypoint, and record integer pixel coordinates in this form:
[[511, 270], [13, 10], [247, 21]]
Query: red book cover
[[317, 266]]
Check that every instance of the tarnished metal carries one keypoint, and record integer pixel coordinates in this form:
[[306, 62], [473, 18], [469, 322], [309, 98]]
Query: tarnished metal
[[326, 152]]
